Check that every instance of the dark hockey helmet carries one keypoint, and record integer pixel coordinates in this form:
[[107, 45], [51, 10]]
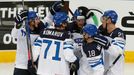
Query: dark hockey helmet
[[90, 29], [56, 7], [85, 11], [59, 18], [112, 15]]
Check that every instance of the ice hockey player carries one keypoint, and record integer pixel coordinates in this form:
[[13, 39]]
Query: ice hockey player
[[92, 48], [76, 28], [54, 48], [78, 21], [36, 26], [117, 47], [19, 32]]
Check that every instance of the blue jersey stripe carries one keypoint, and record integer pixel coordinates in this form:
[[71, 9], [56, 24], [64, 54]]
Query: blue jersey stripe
[[36, 44], [97, 63], [68, 47], [119, 46], [68, 44], [39, 41]]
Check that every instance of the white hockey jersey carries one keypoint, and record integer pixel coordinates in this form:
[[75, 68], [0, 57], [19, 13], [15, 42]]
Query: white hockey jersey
[[22, 52], [91, 62], [55, 52], [117, 47]]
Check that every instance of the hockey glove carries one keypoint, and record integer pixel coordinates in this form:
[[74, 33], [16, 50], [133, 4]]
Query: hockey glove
[[56, 7], [74, 66], [20, 18], [103, 41]]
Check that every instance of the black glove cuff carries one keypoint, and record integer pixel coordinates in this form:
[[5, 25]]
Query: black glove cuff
[[18, 26], [52, 11]]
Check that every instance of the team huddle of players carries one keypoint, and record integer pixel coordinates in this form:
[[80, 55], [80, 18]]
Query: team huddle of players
[[60, 47]]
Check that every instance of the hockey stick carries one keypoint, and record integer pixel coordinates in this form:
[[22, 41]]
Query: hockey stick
[[63, 2], [97, 10], [105, 73], [28, 40]]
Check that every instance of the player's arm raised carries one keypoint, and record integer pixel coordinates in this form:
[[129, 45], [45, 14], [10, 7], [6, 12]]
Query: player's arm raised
[[18, 22]]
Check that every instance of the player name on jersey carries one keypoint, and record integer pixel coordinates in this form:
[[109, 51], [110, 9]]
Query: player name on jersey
[[54, 33]]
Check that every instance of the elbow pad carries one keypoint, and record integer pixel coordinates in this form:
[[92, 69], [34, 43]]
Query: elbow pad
[[68, 50], [117, 46]]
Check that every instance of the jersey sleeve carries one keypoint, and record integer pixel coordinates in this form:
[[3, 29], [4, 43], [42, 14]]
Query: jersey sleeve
[[36, 48], [117, 46], [14, 32], [68, 50], [18, 33]]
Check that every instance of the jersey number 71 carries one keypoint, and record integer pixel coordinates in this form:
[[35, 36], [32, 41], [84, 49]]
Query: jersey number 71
[[49, 44]]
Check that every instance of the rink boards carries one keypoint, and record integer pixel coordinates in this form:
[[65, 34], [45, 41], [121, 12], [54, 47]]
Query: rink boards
[[8, 56]]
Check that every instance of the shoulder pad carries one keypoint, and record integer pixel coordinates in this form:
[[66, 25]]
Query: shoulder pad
[[118, 33]]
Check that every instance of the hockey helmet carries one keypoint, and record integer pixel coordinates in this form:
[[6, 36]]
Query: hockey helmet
[[78, 14], [59, 18], [32, 15], [90, 29], [111, 14]]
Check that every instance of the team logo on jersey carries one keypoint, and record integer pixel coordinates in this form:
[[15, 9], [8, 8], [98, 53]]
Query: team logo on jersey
[[23, 33], [98, 47]]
